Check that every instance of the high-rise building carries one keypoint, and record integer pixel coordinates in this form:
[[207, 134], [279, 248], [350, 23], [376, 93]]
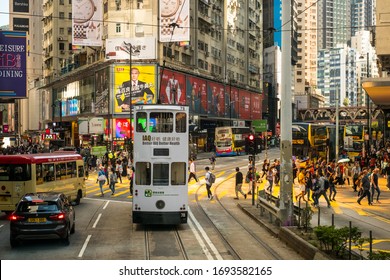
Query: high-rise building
[[334, 23], [306, 68], [362, 15], [337, 78]]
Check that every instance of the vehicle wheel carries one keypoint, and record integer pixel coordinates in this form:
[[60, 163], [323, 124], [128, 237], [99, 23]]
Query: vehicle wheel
[[14, 243], [66, 239], [78, 198], [73, 229]]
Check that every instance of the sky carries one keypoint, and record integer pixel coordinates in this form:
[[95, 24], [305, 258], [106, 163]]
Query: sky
[[4, 12]]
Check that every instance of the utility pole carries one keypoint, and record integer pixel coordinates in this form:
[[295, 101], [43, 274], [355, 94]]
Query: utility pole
[[337, 124], [286, 176]]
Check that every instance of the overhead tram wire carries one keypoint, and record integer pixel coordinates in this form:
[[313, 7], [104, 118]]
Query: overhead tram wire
[[245, 30]]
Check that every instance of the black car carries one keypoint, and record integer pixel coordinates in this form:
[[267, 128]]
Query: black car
[[42, 215]]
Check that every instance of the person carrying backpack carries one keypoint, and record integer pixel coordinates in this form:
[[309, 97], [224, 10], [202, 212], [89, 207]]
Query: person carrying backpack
[[323, 185], [209, 177]]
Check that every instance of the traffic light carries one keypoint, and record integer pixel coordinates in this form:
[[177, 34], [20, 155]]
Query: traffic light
[[251, 144]]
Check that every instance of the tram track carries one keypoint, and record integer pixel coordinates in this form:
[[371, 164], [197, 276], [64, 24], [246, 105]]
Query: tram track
[[163, 242], [235, 224]]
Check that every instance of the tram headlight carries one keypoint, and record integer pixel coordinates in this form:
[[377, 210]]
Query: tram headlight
[[160, 204]]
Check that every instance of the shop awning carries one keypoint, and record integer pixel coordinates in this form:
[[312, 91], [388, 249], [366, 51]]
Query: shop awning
[[378, 89]]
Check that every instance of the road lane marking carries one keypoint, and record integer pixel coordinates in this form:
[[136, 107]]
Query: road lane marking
[[200, 241], [105, 205], [97, 220], [84, 246], [205, 236]]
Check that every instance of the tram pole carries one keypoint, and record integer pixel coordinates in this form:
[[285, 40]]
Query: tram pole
[[286, 171]]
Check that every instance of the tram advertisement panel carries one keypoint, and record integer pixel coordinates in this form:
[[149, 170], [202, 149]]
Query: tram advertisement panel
[[245, 105], [232, 103], [142, 86], [255, 106], [216, 99], [196, 95], [173, 89]]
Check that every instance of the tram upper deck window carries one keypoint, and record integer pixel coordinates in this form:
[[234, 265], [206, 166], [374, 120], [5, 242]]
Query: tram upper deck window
[[141, 121], [161, 122], [181, 123]]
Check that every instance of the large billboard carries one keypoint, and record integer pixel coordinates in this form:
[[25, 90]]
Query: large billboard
[[173, 88], [141, 86], [232, 102], [87, 22], [139, 48], [13, 64], [174, 20], [245, 105]]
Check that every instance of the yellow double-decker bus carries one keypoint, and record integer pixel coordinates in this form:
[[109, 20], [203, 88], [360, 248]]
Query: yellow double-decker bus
[[309, 140]]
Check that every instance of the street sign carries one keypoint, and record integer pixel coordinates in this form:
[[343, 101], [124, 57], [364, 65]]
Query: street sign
[[260, 125]]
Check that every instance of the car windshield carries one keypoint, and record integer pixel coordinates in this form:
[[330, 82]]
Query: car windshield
[[36, 207]]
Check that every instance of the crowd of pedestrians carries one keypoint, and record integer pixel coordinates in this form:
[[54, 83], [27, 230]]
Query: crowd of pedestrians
[[318, 178]]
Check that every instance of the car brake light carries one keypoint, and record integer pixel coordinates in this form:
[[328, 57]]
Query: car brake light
[[15, 217], [59, 216]]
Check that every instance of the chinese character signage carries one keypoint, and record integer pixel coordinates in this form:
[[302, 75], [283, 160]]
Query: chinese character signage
[[137, 48]]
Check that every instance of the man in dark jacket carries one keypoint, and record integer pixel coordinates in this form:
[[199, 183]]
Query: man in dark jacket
[[365, 187], [239, 180]]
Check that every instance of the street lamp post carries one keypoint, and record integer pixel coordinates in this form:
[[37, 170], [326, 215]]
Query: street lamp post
[[130, 105], [368, 108]]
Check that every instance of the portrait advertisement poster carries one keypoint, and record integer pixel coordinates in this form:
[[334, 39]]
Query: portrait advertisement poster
[[216, 99], [173, 87], [256, 102], [174, 20], [142, 86], [102, 91], [196, 95], [231, 102], [245, 105], [87, 22], [122, 128], [13, 66]]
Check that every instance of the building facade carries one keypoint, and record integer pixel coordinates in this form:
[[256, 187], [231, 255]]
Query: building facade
[[217, 71]]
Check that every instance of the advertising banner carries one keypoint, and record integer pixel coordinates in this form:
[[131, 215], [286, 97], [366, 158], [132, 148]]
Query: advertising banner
[[102, 91], [122, 128], [20, 6], [196, 95], [245, 105], [142, 86], [96, 126], [13, 64], [20, 24], [231, 102], [173, 89], [216, 99], [174, 20], [140, 48], [87, 22], [256, 102]]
